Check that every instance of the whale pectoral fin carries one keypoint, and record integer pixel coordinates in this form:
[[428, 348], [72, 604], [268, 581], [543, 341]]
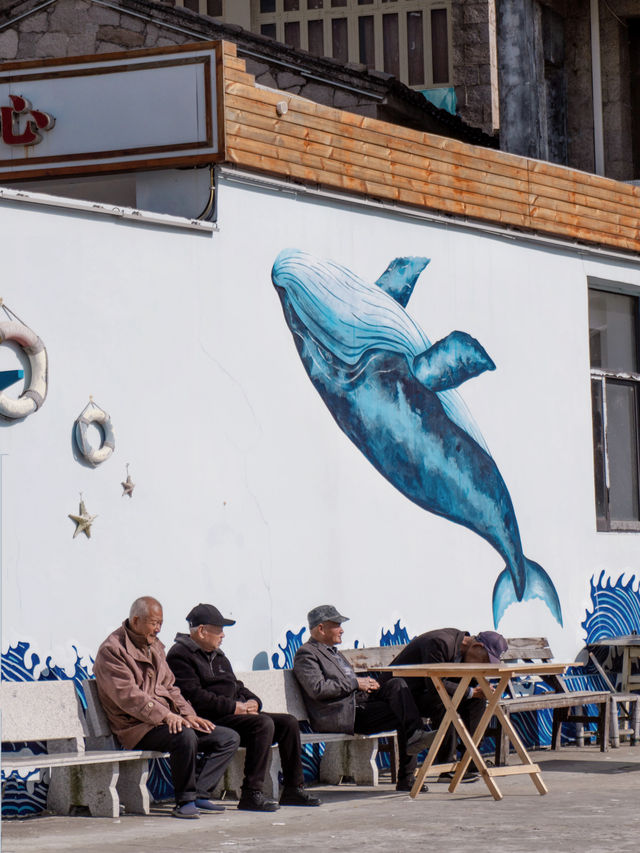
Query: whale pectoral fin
[[400, 277], [451, 361]]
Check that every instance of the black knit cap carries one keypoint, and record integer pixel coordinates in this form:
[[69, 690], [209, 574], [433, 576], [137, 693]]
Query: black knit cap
[[207, 614]]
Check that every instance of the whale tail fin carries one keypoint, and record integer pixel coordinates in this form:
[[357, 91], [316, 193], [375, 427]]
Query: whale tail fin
[[537, 584]]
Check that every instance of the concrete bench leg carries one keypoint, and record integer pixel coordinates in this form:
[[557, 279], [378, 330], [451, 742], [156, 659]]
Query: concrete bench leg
[[356, 758], [91, 785], [132, 786]]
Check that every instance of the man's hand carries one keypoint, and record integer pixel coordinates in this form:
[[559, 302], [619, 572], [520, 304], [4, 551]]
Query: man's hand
[[198, 723], [368, 685], [241, 708], [252, 706], [478, 692], [175, 723]]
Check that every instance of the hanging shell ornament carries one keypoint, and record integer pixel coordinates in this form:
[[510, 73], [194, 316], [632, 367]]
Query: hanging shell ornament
[[128, 485]]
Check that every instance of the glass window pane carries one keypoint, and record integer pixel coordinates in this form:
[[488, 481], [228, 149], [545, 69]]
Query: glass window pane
[[439, 46], [415, 48], [336, 3], [314, 4], [316, 38], [267, 6], [194, 5], [391, 44], [367, 46], [364, 2], [622, 451], [612, 331], [339, 39], [268, 30], [214, 8], [291, 5], [292, 33], [599, 452]]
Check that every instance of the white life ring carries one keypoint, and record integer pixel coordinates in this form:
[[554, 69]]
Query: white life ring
[[33, 396], [93, 414]]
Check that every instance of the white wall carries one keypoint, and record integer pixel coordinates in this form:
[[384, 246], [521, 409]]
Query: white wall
[[248, 495]]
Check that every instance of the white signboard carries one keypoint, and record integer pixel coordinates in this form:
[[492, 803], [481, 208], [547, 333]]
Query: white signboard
[[131, 110]]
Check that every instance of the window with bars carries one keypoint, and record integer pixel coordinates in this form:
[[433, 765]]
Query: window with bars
[[407, 38], [615, 395]]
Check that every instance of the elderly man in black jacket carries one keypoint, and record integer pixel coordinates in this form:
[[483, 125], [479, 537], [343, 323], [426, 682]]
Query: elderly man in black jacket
[[205, 677]]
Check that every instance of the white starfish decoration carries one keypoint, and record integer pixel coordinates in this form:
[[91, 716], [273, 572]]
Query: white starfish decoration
[[83, 520]]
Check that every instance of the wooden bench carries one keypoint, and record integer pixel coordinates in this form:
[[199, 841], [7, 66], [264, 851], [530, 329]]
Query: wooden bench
[[344, 755], [86, 766], [567, 706]]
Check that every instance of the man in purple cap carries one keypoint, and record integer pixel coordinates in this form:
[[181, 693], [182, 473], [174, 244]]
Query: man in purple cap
[[204, 675], [449, 645]]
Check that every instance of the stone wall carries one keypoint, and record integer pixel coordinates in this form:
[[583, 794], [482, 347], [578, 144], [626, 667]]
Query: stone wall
[[472, 62], [79, 27]]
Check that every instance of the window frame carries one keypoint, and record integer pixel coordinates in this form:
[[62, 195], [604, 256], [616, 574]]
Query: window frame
[[606, 379]]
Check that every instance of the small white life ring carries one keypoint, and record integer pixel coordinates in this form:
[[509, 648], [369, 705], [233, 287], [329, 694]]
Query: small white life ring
[[93, 414], [34, 396]]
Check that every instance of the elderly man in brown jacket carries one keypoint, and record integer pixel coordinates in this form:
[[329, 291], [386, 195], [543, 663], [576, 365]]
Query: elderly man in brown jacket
[[146, 710]]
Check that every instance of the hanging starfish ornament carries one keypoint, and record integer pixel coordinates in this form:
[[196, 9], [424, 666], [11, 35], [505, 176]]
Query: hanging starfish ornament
[[128, 486], [83, 520]]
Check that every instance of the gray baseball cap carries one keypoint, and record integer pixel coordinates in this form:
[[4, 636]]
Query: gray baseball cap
[[324, 613], [494, 643]]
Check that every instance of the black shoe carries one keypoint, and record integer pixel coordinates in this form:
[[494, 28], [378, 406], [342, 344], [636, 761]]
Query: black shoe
[[255, 801], [419, 741], [297, 796], [407, 785], [469, 776]]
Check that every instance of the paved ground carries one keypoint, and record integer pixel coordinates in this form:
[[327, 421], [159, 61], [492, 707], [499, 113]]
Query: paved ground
[[592, 807]]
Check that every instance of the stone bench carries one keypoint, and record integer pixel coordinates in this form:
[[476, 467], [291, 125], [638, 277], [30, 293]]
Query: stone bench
[[87, 769], [344, 755]]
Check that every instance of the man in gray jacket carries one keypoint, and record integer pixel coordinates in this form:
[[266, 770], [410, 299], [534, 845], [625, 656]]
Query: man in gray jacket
[[338, 701]]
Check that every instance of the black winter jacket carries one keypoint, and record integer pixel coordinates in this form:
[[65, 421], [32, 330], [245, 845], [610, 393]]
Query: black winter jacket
[[443, 646], [206, 679]]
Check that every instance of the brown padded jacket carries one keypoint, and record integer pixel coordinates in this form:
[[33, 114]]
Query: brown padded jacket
[[137, 690]]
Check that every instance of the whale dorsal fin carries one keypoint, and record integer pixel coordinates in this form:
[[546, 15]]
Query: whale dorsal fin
[[451, 361], [399, 278]]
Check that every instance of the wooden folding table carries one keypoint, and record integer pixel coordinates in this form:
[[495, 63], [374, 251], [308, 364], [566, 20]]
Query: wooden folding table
[[481, 672]]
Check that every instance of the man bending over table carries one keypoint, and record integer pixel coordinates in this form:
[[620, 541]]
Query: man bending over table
[[449, 645]]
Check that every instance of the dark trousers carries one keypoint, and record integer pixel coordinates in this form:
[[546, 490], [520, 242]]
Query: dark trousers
[[391, 707], [218, 746], [257, 734], [471, 710]]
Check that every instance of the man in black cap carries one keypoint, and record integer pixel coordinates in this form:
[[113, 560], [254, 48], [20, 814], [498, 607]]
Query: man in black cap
[[205, 677], [449, 645], [338, 701]]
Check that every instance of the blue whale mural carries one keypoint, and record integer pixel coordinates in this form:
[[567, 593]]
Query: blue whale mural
[[392, 393]]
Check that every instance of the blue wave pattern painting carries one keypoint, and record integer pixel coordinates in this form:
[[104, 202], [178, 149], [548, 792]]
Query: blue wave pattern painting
[[392, 392], [615, 609], [24, 793]]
